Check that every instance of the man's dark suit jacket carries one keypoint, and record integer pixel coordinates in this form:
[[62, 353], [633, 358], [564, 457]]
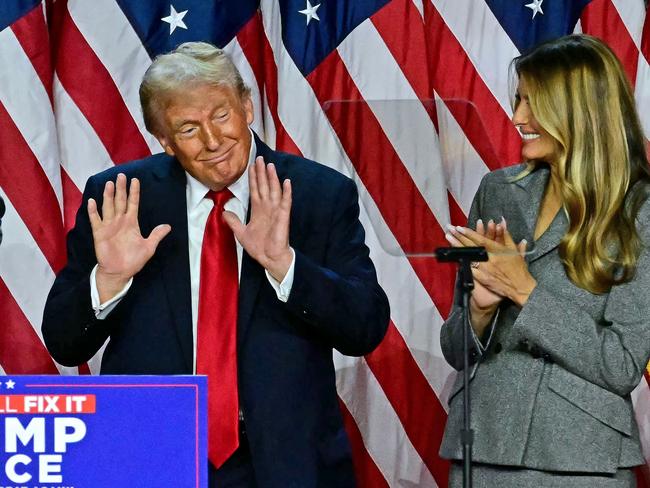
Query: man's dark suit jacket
[[286, 374]]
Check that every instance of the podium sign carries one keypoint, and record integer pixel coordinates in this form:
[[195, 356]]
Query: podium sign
[[103, 431]]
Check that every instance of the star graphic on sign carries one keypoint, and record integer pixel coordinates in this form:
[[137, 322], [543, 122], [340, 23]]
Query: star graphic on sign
[[175, 19], [536, 7], [10, 384], [310, 12]]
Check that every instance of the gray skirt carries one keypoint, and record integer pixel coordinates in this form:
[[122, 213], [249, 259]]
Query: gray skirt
[[492, 476]]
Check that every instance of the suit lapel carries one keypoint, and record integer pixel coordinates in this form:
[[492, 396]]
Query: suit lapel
[[252, 274], [249, 285], [530, 191], [530, 194], [551, 237], [168, 206]]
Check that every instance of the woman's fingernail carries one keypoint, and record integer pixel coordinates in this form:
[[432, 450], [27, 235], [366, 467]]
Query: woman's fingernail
[[460, 229], [479, 222]]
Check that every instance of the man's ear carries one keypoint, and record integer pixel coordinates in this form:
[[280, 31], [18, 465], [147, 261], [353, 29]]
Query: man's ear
[[164, 142], [247, 103]]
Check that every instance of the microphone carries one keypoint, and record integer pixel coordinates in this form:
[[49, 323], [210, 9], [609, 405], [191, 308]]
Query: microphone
[[459, 254]]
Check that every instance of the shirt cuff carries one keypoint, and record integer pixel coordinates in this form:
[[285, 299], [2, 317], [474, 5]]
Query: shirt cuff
[[103, 309], [282, 290]]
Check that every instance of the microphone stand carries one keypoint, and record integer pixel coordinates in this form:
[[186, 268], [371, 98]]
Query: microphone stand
[[464, 256]]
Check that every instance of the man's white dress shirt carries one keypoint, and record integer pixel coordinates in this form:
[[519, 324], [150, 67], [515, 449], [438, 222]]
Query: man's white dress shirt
[[198, 209]]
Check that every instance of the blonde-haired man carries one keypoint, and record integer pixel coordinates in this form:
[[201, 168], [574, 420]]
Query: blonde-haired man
[[305, 285]]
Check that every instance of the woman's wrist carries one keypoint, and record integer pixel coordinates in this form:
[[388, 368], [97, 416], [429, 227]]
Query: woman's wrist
[[522, 294], [480, 317]]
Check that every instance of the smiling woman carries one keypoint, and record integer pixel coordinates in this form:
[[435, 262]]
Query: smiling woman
[[537, 144], [576, 97], [562, 333]]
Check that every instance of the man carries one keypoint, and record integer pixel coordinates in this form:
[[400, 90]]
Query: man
[[305, 280]]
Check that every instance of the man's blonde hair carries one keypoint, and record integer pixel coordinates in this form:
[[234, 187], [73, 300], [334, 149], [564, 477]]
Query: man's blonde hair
[[191, 63]]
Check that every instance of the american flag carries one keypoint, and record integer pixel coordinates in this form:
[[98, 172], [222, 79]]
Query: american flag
[[410, 98]]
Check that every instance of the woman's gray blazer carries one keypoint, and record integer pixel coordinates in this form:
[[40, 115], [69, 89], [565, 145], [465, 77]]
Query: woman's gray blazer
[[551, 381]]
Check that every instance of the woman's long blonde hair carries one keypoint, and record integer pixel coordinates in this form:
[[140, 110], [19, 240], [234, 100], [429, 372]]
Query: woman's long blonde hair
[[579, 94]]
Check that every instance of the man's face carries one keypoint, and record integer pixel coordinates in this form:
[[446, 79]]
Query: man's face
[[206, 128]]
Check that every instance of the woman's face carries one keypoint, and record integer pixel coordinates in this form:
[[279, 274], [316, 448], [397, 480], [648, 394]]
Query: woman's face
[[537, 144]]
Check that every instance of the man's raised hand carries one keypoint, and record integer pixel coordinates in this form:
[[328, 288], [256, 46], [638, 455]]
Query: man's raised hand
[[266, 236], [120, 249]]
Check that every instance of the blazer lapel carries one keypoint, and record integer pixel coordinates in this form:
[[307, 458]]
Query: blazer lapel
[[551, 237], [252, 274], [172, 256], [532, 189]]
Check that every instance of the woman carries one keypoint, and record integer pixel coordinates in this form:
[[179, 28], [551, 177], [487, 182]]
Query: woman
[[562, 332]]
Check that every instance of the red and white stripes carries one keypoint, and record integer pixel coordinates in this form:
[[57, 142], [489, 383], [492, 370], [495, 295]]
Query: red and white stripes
[[414, 105]]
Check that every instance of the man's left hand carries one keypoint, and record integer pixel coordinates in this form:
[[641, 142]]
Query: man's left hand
[[266, 236]]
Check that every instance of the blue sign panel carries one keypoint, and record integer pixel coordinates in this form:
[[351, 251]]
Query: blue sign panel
[[103, 431]]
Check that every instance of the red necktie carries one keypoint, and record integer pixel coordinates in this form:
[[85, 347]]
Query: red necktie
[[217, 331]]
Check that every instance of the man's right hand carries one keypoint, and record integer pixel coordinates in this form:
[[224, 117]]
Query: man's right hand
[[119, 246]]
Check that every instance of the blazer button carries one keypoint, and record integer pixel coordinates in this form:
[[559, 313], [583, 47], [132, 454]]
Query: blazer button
[[497, 348], [535, 352]]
